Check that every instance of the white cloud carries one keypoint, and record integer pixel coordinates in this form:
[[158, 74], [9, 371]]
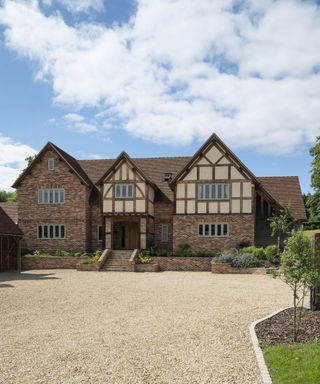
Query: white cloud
[[181, 69], [77, 6], [73, 117], [12, 160]]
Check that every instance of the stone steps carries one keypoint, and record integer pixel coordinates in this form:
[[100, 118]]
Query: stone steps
[[117, 261]]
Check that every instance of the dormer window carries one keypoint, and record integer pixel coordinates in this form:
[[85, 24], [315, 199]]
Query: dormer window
[[167, 176], [124, 191], [50, 164]]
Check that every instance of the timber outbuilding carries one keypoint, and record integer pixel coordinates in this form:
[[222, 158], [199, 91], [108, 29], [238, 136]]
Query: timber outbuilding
[[10, 244]]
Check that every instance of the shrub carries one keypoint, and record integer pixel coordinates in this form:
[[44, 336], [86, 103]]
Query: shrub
[[244, 244], [201, 253], [226, 256], [142, 259], [257, 252], [245, 261], [271, 253], [183, 250]]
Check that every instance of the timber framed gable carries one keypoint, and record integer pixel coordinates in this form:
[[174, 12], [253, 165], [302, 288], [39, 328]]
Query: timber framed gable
[[125, 176]]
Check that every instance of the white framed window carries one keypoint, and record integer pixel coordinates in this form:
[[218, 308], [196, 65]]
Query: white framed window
[[213, 229], [124, 191], [51, 231], [100, 232], [50, 164], [213, 191], [51, 196], [164, 233]]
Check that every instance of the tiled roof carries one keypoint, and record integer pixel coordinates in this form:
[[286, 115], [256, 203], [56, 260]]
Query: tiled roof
[[286, 190], [7, 226], [11, 209]]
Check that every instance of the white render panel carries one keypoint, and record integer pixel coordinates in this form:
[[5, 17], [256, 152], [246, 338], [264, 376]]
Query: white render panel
[[124, 168], [205, 173], [221, 173], [235, 206], [180, 191], [129, 206], [191, 206], [192, 175], [117, 175], [236, 189], [246, 206], [142, 186], [107, 206], [213, 207], [191, 191], [131, 174], [224, 161], [203, 161], [202, 207], [235, 174], [180, 206], [108, 187], [118, 206], [213, 154], [247, 189], [140, 205], [224, 207]]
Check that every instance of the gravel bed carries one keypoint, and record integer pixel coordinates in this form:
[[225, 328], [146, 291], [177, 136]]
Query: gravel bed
[[68, 327]]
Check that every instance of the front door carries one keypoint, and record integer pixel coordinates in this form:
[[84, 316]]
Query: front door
[[130, 236]]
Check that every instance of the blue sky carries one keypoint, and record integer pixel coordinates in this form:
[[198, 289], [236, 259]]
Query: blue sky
[[156, 78]]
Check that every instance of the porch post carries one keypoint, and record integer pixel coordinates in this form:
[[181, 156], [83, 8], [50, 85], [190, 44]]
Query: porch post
[[143, 233], [108, 233]]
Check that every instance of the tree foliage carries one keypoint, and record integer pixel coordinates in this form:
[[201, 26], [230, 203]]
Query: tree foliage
[[313, 201], [29, 159], [8, 196], [281, 225], [299, 272]]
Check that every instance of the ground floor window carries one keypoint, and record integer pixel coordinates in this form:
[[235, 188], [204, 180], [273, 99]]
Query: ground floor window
[[100, 233], [213, 229], [164, 233], [51, 231]]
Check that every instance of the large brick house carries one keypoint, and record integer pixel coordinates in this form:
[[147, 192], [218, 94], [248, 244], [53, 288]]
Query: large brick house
[[211, 201]]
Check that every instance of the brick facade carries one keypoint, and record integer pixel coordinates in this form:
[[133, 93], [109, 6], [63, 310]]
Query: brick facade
[[74, 213], [163, 215], [185, 230]]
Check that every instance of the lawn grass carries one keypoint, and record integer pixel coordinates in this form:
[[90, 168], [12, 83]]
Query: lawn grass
[[310, 232], [294, 364]]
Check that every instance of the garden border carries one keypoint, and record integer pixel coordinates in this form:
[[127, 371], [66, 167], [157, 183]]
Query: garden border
[[264, 372]]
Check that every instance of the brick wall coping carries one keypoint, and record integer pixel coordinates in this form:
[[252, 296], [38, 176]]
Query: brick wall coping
[[225, 268]]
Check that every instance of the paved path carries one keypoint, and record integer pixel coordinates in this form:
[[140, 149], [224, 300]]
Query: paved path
[[63, 327]]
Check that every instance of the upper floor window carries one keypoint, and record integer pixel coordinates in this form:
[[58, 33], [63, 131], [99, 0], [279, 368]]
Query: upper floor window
[[51, 231], [50, 196], [213, 230], [213, 191], [124, 191], [50, 164]]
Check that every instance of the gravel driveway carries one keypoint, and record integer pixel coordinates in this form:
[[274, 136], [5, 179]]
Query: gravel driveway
[[66, 327]]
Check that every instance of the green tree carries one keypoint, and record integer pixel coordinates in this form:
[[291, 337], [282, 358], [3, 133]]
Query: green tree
[[299, 272], [281, 225], [29, 159], [313, 201], [8, 196]]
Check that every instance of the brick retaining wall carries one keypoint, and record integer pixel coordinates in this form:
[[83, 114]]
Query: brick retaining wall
[[49, 263], [183, 263]]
